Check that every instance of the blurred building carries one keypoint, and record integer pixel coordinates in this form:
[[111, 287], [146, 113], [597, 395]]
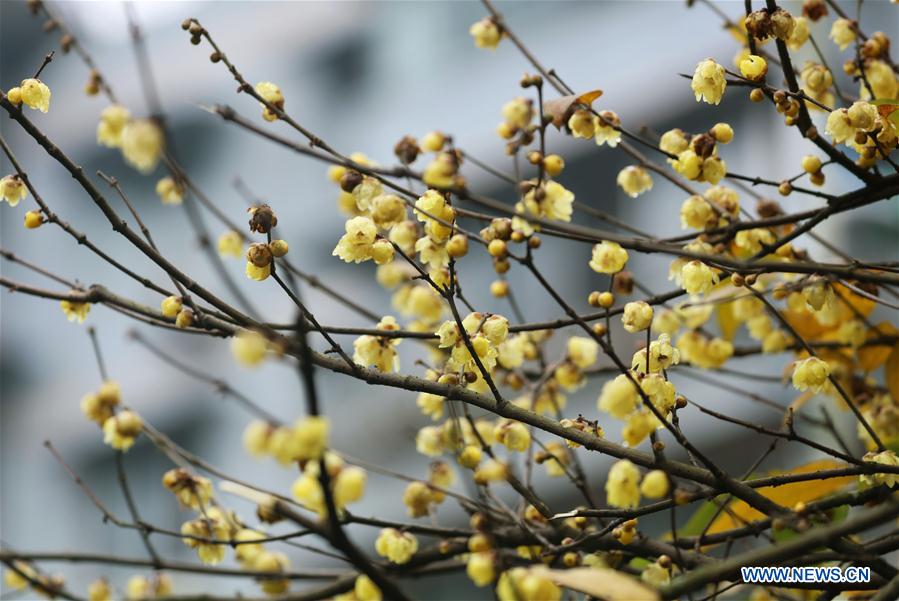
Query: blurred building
[[360, 75]]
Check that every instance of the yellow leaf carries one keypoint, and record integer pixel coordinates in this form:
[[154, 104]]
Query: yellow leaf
[[891, 370], [861, 304], [726, 320], [872, 357], [739, 513], [560, 109], [804, 323], [604, 583]]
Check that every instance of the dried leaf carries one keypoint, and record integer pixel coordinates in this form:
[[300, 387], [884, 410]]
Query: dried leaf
[[861, 304], [561, 108], [891, 371], [872, 357], [888, 109], [603, 583]]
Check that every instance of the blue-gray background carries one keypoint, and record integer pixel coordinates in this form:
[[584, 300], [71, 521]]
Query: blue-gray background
[[360, 75]]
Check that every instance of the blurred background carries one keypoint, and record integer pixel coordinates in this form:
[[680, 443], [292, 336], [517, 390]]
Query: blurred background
[[360, 75]]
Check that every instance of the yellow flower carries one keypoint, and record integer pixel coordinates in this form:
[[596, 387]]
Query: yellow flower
[[882, 79], [637, 316], [556, 202], [581, 124], [16, 581], [112, 124], [387, 210], [169, 191], [142, 144], [120, 431], [656, 575], [722, 132], [212, 526], [886, 458], [433, 141], [751, 241], [12, 189], [230, 244], [366, 590], [470, 456], [431, 405], [191, 490], [810, 374], [661, 355], [698, 278], [356, 245], [271, 94], [441, 172], [696, 213], [496, 329], [800, 33], [480, 568], [486, 34], [417, 498], [634, 180], [273, 563], [654, 485], [257, 273], [249, 347], [171, 306], [349, 486], [310, 437], [140, 588], [515, 436], [249, 551], [608, 257], [398, 547], [862, 115], [33, 220], [518, 112], [75, 310], [35, 94], [14, 95], [708, 82], [99, 591], [605, 131], [377, 351], [618, 397], [666, 321], [491, 470], [520, 584], [842, 33], [429, 441], [754, 67], [674, 141], [582, 351], [622, 485], [555, 459], [640, 424], [256, 437]]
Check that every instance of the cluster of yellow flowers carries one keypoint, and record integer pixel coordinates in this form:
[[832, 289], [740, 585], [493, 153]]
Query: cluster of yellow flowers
[[140, 140], [347, 484], [624, 486], [120, 429], [32, 92], [697, 156], [398, 547], [306, 440]]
